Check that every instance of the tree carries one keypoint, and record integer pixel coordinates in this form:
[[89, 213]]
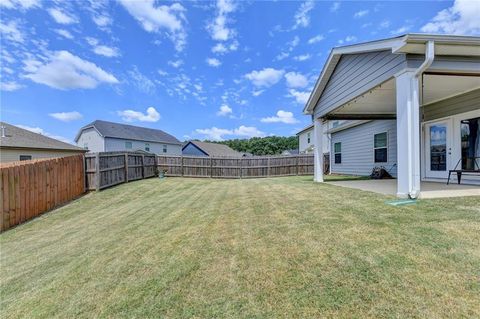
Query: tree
[[270, 145]]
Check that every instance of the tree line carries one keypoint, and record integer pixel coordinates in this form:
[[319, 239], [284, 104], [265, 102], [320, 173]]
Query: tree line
[[270, 145]]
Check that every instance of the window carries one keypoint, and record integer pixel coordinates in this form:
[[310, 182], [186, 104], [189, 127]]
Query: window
[[380, 147], [470, 134], [25, 157], [85, 146], [308, 137], [337, 149], [147, 147], [128, 145], [164, 148]]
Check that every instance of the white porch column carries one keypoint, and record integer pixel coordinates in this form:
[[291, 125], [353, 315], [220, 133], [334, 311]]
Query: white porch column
[[318, 150], [408, 134]]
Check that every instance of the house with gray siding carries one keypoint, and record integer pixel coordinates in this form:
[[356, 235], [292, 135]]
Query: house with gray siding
[[204, 149], [411, 103], [103, 136]]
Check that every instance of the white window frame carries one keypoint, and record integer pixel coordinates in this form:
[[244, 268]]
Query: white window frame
[[147, 147], [335, 153], [165, 150], [374, 148], [308, 138], [20, 157]]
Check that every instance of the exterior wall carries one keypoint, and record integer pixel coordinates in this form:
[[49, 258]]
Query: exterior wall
[[443, 63], [469, 101], [303, 143], [92, 139], [192, 150], [117, 144], [357, 148], [11, 155], [356, 74]]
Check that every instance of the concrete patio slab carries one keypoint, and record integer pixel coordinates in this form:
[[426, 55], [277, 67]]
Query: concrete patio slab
[[428, 189]]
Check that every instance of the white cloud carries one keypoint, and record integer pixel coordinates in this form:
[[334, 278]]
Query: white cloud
[[156, 18], [282, 56], [360, 14], [347, 39], [224, 110], [257, 92], [129, 115], [296, 80], [64, 33], [11, 32], [39, 130], [266, 77], [10, 86], [299, 96], [101, 49], [143, 83], [281, 117], [176, 64], [213, 62], [67, 71], [66, 116], [302, 17], [400, 30], [221, 48], [384, 24], [20, 4], [218, 28], [302, 57], [62, 17], [219, 134], [334, 7], [102, 20], [316, 39], [461, 18]]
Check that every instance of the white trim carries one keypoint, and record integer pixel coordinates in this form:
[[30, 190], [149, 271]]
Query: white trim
[[385, 147]]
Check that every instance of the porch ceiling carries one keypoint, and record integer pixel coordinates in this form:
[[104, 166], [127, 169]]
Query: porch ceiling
[[381, 101]]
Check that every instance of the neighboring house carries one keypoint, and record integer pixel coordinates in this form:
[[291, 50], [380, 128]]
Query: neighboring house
[[421, 96], [102, 136], [305, 139], [290, 152], [197, 148], [18, 144]]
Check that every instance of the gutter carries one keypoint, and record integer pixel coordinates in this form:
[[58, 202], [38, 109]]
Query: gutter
[[429, 57]]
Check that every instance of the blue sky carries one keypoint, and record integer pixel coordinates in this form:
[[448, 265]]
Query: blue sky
[[199, 69]]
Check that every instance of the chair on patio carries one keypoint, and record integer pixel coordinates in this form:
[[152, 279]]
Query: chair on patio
[[469, 171]]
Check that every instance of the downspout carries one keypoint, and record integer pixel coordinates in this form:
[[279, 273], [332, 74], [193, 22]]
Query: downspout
[[429, 57]]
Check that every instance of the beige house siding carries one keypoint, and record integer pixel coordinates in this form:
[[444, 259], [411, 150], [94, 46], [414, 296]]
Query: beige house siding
[[11, 155]]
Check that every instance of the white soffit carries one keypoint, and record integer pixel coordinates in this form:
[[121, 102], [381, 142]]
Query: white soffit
[[439, 87]]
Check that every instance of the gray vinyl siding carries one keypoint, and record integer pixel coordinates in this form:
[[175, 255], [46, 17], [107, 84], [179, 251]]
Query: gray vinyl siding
[[12, 155], [356, 74], [469, 101], [192, 150], [93, 139], [357, 148], [117, 144]]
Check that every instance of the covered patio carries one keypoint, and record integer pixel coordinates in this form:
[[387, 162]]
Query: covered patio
[[428, 84], [428, 189]]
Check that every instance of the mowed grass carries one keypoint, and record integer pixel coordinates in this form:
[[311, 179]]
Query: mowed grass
[[264, 248]]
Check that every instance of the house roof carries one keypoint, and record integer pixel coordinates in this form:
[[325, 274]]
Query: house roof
[[16, 137], [412, 43], [215, 149], [306, 128], [130, 132]]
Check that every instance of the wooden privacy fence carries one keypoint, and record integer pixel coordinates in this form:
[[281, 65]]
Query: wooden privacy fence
[[244, 167], [111, 168], [30, 188]]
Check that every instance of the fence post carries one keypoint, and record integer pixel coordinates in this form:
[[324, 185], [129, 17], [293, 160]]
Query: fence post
[[211, 167], [143, 166], [182, 166], [241, 169], [126, 167], [296, 163], [97, 171], [268, 166]]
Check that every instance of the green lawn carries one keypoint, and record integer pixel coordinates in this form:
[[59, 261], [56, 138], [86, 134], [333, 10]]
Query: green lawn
[[264, 248]]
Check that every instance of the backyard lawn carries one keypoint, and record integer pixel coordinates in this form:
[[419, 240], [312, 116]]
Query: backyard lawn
[[276, 248]]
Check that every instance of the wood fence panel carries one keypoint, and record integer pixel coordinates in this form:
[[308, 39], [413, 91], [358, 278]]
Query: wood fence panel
[[30, 188], [230, 167]]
